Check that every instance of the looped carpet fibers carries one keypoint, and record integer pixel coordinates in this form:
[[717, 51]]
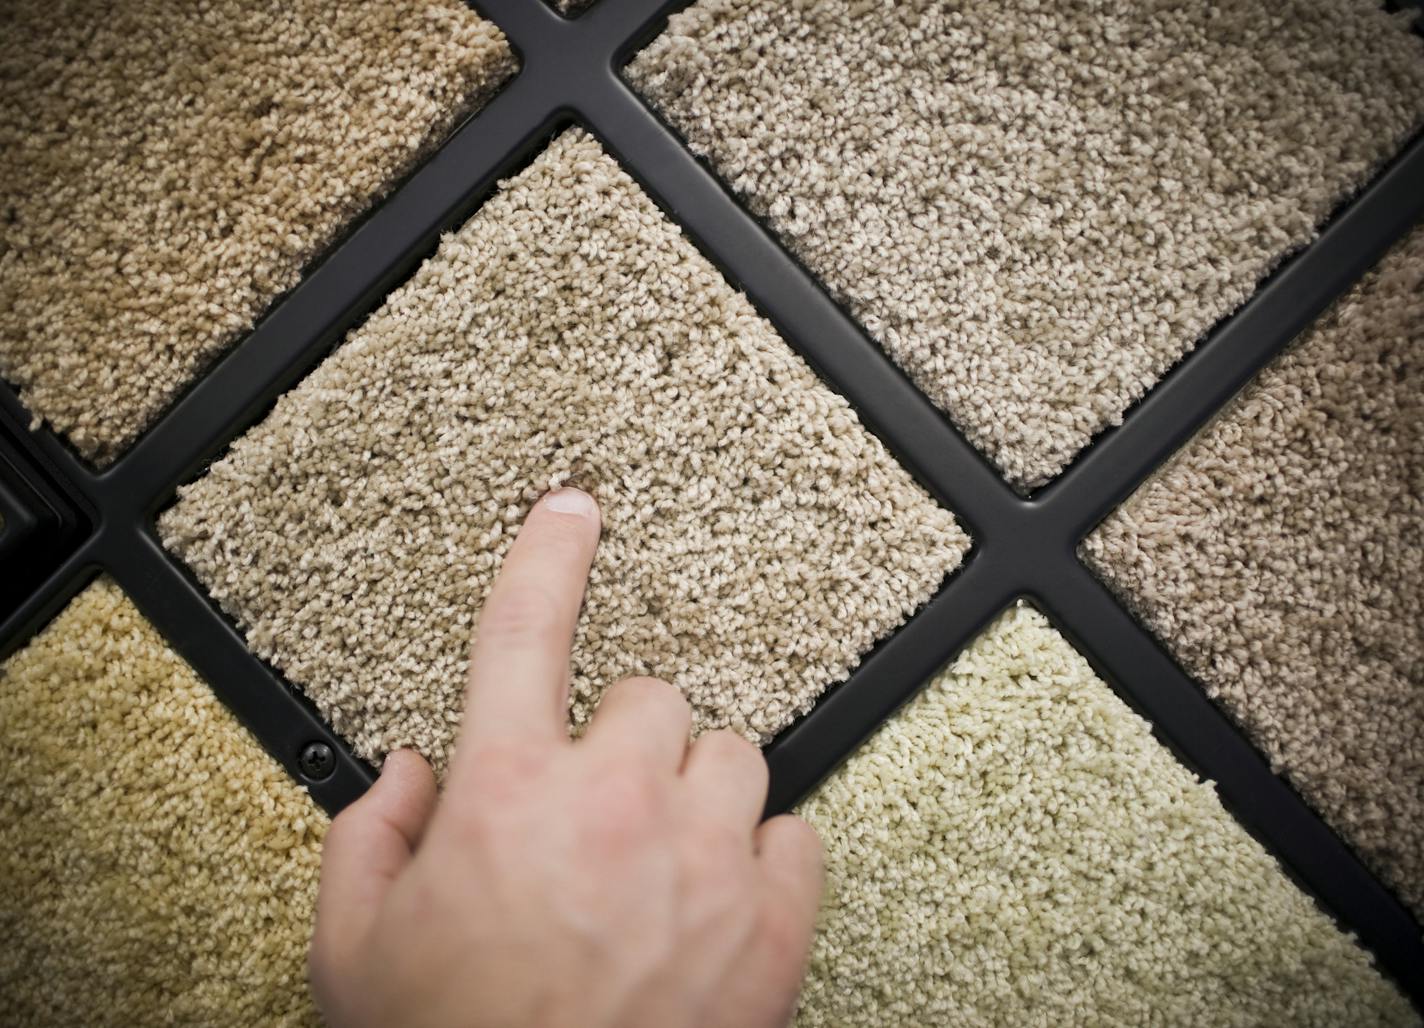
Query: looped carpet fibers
[[1015, 848], [757, 540], [168, 168], [156, 866], [1037, 208], [1280, 557]]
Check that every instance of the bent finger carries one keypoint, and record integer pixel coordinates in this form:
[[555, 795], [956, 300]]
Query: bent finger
[[368, 845], [642, 717], [728, 778], [792, 861]]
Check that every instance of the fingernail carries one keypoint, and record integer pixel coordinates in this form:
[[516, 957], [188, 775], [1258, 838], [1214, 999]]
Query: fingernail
[[571, 501]]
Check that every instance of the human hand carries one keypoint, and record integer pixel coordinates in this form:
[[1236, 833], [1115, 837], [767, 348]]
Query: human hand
[[620, 880]]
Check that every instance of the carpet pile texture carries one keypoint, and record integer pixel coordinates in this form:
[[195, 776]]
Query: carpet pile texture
[[757, 539], [157, 866], [1037, 208], [167, 169], [1280, 558], [1015, 848]]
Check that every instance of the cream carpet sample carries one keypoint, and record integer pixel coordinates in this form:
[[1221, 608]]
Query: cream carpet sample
[[1037, 209], [156, 865], [757, 539], [167, 169], [1015, 848], [1280, 558]]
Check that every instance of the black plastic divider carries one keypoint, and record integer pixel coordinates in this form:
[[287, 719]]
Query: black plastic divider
[[41, 522], [1024, 547], [1121, 459], [1182, 715]]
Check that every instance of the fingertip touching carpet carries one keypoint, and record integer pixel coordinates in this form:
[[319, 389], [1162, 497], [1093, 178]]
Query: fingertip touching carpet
[[757, 539]]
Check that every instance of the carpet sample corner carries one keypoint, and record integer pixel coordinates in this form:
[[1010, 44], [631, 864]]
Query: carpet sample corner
[[1015, 848], [167, 170], [1280, 558], [757, 539], [1037, 209], [157, 866]]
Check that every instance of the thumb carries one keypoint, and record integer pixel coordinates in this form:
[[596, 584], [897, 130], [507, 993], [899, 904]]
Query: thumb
[[368, 845]]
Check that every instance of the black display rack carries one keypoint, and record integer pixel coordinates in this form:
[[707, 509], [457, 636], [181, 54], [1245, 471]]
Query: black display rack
[[65, 522]]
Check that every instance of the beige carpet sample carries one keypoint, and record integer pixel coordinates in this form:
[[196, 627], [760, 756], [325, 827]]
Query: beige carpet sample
[[156, 865], [167, 169], [757, 539], [1280, 558], [1038, 208], [1015, 848]]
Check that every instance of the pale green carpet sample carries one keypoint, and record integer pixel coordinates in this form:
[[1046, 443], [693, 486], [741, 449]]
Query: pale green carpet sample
[[1015, 848]]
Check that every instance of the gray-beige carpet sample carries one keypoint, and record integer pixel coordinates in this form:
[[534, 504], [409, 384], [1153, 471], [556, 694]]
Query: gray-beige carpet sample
[[1280, 558], [1037, 208], [757, 539], [156, 865], [1015, 848], [167, 169]]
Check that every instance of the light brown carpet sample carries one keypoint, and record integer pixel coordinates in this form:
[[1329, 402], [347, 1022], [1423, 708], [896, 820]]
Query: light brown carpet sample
[[1280, 558], [1038, 208], [1015, 848], [167, 169], [156, 865], [757, 540]]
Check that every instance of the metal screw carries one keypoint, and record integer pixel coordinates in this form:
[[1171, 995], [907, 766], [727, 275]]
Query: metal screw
[[317, 761]]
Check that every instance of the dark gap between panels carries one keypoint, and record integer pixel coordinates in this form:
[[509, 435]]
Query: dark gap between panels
[[1022, 547], [40, 521]]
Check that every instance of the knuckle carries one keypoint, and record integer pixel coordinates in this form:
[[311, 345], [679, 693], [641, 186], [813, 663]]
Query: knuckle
[[646, 689], [520, 613], [804, 841], [719, 867], [626, 799], [784, 933], [720, 852], [725, 747], [502, 769]]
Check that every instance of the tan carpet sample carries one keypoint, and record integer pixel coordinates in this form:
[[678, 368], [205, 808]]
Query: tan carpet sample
[[156, 865], [1038, 208], [1015, 848], [167, 169], [1280, 557], [757, 539]]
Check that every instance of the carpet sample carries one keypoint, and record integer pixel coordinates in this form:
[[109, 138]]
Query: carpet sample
[[167, 170], [157, 866], [1015, 848], [1038, 208], [757, 539], [1280, 558]]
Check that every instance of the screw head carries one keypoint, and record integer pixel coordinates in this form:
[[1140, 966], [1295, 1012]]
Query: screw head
[[317, 761]]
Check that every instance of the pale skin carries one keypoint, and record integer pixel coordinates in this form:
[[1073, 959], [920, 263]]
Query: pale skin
[[624, 879]]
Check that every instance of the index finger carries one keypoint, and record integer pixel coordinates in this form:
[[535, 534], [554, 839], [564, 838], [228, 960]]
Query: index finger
[[519, 665]]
